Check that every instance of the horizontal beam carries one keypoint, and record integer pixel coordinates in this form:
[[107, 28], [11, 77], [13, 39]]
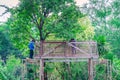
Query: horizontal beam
[[53, 42], [58, 60], [69, 60], [68, 42], [60, 57]]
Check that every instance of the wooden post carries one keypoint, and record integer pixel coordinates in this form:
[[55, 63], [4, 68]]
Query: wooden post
[[41, 48], [110, 70], [41, 61], [23, 69], [41, 69], [90, 69]]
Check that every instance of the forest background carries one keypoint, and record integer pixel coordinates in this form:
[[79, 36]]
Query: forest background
[[97, 20]]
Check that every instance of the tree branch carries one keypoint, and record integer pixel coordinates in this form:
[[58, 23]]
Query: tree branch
[[6, 11], [35, 19], [46, 35]]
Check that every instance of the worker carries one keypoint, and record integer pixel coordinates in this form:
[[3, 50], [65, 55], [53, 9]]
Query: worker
[[31, 48], [73, 45]]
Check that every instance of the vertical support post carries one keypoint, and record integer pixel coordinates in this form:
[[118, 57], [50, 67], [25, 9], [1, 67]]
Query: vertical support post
[[96, 49], [23, 70], [94, 71], [107, 69], [109, 73], [41, 69], [41, 61], [110, 70], [90, 69]]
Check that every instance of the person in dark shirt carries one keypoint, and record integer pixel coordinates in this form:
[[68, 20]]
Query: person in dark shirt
[[31, 48], [73, 49]]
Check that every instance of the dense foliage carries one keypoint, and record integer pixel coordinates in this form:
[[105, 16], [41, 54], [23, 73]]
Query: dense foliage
[[6, 46], [42, 20]]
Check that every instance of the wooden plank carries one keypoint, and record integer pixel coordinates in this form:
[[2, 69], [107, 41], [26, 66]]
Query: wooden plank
[[54, 42], [68, 56]]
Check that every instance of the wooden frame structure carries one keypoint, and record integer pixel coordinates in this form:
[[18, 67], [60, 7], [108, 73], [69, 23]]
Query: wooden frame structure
[[65, 52]]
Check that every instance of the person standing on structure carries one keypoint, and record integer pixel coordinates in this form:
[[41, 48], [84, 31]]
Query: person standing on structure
[[31, 48], [73, 45]]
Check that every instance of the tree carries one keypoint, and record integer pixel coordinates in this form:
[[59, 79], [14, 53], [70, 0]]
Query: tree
[[12, 70], [41, 18], [87, 30], [101, 12], [115, 27], [96, 10], [107, 29], [38, 19], [6, 46]]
